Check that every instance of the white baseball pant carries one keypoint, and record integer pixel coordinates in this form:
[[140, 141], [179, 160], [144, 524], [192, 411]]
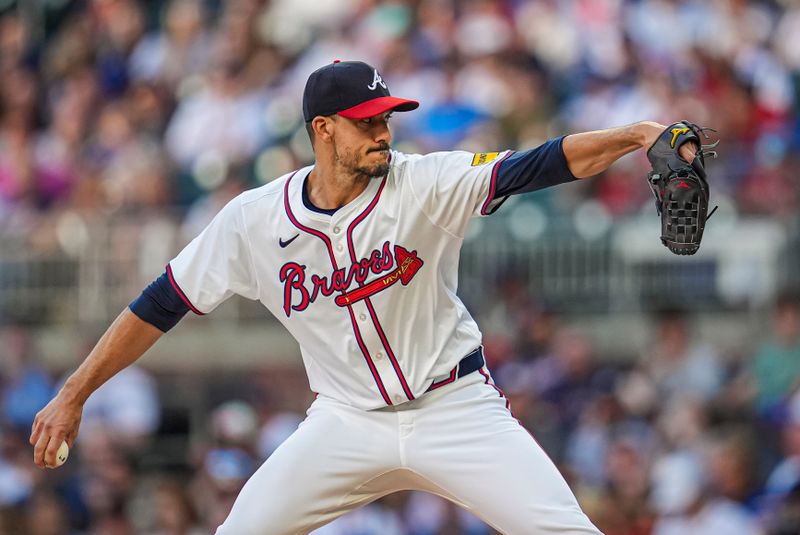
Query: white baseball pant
[[460, 442]]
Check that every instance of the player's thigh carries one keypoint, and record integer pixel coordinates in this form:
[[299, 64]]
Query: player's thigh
[[473, 449], [319, 473]]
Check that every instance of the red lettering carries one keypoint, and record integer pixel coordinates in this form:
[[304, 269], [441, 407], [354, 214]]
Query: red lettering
[[375, 261], [296, 295], [388, 260], [293, 276], [337, 280], [319, 286], [363, 270], [350, 275]]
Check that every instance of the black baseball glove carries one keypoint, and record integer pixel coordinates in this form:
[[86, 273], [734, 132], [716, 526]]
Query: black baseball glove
[[680, 188]]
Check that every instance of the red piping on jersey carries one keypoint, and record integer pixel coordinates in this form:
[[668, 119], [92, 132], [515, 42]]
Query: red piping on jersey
[[327, 242], [370, 308], [443, 382], [180, 292], [508, 403], [508, 406], [493, 183], [389, 351]]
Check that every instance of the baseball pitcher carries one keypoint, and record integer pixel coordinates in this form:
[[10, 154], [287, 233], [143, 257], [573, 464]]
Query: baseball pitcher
[[357, 255]]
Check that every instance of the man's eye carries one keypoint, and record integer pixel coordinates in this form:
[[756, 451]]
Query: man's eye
[[368, 120]]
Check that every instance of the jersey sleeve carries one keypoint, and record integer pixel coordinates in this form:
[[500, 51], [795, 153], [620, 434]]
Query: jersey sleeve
[[216, 264], [452, 187]]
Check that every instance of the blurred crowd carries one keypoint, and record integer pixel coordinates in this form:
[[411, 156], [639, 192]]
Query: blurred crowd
[[118, 107], [687, 438]]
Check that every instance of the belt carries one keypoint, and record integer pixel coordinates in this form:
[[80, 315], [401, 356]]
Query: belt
[[471, 363]]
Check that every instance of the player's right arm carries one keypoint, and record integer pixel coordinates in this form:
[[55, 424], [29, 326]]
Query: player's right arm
[[126, 340], [214, 266]]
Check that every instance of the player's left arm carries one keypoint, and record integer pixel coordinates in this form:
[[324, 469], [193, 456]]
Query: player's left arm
[[591, 153], [450, 187]]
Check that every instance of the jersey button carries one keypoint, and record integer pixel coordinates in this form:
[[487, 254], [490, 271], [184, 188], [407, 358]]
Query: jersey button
[[340, 247], [336, 230], [397, 398], [362, 317], [378, 356]]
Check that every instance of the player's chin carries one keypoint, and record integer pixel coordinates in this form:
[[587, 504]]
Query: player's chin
[[378, 169]]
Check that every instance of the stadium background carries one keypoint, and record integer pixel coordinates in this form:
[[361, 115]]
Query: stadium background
[[664, 387]]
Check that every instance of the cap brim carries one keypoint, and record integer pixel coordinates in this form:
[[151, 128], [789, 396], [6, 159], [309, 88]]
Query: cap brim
[[379, 105]]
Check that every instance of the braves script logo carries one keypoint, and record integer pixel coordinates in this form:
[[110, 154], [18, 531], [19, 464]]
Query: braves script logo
[[376, 80], [298, 294]]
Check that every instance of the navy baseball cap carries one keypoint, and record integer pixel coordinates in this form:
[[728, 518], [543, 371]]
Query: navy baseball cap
[[353, 89]]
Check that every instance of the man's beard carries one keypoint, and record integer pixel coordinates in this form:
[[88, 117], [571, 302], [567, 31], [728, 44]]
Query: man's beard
[[378, 170], [350, 162]]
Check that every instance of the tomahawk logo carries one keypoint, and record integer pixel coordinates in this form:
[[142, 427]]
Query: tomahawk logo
[[376, 80], [407, 266]]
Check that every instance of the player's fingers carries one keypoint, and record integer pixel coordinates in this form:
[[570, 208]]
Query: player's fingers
[[688, 150], [50, 451], [36, 429], [39, 450], [52, 448], [70, 438]]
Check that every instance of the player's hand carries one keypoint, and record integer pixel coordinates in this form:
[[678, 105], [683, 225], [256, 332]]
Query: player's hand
[[651, 130], [58, 420]]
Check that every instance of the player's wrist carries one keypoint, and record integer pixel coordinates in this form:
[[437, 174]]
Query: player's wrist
[[72, 393], [647, 133]]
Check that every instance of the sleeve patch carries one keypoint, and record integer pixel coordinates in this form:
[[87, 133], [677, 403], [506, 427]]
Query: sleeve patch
[[483, 157]]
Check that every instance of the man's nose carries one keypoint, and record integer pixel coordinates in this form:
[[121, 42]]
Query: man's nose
[[382, 133]]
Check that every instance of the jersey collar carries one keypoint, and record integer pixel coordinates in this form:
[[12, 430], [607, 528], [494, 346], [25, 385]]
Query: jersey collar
[[320, 220]]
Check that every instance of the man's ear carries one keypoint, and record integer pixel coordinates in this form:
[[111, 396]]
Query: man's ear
[[323, 127]]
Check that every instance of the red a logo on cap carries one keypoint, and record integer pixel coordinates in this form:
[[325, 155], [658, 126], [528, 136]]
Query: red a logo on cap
[[375, 81]]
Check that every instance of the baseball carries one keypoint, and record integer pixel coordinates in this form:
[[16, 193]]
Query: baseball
[[62, 453]]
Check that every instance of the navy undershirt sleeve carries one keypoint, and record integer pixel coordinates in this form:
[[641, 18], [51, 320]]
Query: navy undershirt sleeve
[[533, 169], [160, 304]]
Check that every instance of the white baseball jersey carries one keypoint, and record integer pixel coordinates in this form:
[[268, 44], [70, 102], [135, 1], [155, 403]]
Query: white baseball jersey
[[369, 292]]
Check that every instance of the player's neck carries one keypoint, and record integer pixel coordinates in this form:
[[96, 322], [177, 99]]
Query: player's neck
[[331, 190]]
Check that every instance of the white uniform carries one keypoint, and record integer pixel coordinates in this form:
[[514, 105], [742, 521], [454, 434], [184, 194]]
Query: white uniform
[[370, 295]]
